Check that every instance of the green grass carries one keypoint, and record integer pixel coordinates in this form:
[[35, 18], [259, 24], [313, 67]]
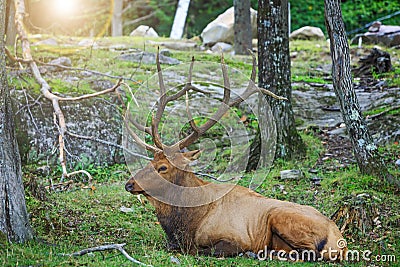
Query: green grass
[[308, 79]]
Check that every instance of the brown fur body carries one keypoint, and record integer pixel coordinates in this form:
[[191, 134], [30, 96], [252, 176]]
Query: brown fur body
[[240, 221]]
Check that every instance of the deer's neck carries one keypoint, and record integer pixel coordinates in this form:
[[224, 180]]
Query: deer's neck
[[188, 179], [181, 223]]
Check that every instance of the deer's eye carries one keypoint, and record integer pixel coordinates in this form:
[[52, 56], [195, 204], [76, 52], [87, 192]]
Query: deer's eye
[[163, 168]]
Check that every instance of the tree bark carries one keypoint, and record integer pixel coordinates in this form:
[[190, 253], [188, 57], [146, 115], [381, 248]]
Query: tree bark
[[242, 27], [117, 18], [14, 222], [11, 31], [274, 74], [365, 150]]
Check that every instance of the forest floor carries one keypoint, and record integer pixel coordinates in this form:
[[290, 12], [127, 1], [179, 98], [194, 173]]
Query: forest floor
[[78, 216]]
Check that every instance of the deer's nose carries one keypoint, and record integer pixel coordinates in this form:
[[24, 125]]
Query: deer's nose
[[129, 186]]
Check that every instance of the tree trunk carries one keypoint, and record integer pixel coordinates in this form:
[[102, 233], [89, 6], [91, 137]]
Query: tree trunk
[[242, 27], [274, 74], [180, 19], [11, 31], [14, 222], [117, 18], [365, 151]]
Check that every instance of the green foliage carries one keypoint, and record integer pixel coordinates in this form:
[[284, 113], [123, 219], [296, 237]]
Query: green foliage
[[392, 77], [308, 79], [390, 111], [24, 82], [356, 14]]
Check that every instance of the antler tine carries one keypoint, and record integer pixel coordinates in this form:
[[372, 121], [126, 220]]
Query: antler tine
[[155, 121], [190, 117], [227, 85], [139, 126], [136, 137], [252, 88], [189, 84], [223, 108]]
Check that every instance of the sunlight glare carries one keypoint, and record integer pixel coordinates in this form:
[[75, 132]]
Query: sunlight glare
[[64, 6]]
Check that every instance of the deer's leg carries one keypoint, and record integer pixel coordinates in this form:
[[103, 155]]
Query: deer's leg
[[297, 232]]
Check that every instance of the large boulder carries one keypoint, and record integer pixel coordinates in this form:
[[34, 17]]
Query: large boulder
[[144, 31], [37, 133], [307, 33], [221, 29]]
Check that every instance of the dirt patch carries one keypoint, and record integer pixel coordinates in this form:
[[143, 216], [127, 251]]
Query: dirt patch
[[338, 151]]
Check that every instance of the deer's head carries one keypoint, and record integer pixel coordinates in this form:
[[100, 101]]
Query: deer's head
[[174, 169]]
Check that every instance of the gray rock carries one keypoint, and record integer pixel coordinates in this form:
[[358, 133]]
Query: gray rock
[[388, 35], [291, 174], [63, 61], [221, 29], [49, 41], [88, 43], [181, 45], [37, 134], [165, 52], [144, 31], [307, 33], [148, 58], [310, 102], [221, 47]]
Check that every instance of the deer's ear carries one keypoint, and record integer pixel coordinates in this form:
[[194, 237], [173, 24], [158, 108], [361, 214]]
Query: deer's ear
[[192, 155]]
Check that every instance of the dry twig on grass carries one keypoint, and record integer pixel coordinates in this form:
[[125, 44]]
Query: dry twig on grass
[[119, 247]]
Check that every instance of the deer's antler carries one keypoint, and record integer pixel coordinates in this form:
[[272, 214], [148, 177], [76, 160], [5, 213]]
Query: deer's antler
[[197, 131]]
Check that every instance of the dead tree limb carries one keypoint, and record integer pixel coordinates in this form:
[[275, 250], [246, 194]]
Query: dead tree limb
[[84, 69], [101, 141], [119, 247]]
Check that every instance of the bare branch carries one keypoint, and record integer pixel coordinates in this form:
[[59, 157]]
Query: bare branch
[[81, 69], [119, 247], [106, 91], [139, 19], [92, 138]]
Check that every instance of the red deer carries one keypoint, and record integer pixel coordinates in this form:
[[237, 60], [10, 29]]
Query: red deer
[[222, 219]]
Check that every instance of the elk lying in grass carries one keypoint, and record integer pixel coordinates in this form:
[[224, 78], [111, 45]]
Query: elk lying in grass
[[221, 219]]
